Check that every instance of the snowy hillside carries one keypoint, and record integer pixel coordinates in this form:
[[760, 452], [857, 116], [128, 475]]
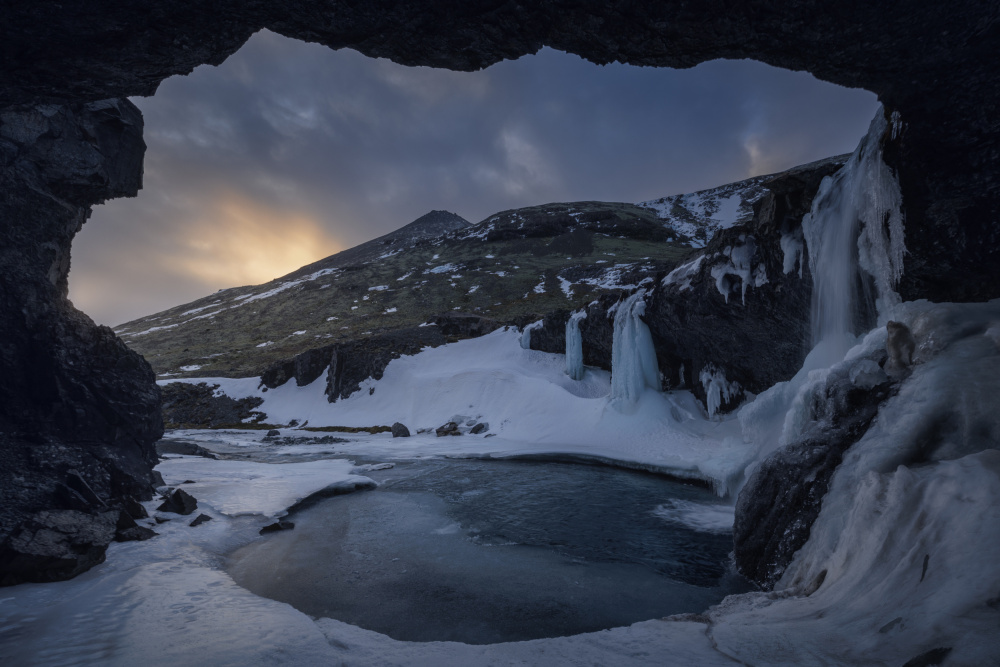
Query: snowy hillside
[[698, 215]]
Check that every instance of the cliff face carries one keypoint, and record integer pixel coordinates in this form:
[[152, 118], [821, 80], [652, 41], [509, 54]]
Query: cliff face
[[80, 410], [701, 316], [73, 398]]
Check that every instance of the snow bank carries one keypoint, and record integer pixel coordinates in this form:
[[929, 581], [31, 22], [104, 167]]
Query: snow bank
[[531, 404]]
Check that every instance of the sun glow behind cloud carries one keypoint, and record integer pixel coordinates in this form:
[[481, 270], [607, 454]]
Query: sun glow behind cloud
[[237, 241]]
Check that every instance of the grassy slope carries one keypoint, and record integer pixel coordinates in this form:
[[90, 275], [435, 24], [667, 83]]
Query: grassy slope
[[222, 333]]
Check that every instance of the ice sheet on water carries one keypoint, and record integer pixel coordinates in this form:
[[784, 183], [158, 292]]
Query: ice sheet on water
[[245, 487], [698, 516]]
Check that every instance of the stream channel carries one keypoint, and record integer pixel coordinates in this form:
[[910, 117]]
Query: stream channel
[[490, 551]]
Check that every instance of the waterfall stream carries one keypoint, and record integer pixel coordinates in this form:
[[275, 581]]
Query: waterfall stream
[[855, 223]]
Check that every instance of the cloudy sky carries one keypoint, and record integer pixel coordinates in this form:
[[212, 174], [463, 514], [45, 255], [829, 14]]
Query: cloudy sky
[[289, 152]]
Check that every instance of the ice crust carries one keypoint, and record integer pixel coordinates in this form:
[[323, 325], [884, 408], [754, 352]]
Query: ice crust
[[235, 488]]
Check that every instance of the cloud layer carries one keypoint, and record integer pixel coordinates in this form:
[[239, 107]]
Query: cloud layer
[[289, 152]]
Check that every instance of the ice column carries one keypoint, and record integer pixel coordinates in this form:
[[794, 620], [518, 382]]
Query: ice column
[[574, 346], [855, 222], [526, 334], [633, 358]]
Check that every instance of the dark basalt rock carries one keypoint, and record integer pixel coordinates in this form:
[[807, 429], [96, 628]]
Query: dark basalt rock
[[779, 503], [759, 337], [276, 527], [178, 502], [449, 428], [170, 446], [79, 411], [54, 545], [459, 326], [127, 530], [399, 430], [187, 405], [200, 519], [479, 428]]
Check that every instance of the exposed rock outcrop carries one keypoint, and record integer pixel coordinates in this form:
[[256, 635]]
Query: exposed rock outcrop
[[73, 396], [188, 405]]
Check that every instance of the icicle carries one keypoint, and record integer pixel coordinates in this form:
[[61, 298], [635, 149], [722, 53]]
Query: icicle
[[526, 334], [633, 358], [718, 390], [574, 346]]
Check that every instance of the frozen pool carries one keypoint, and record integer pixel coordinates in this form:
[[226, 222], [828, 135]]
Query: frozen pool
[[491, 551]]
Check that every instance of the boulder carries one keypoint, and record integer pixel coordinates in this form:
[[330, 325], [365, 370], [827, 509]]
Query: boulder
[[127, 530], [479, 428], [277, 526], [450, 428], [200, 519], [179, 502], [399, 430], [54, 545]]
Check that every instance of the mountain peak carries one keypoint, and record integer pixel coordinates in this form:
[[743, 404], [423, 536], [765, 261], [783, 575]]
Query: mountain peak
[[434, 223]]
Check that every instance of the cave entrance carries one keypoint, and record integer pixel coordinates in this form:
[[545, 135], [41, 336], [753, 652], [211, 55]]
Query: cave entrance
[[289, 152]]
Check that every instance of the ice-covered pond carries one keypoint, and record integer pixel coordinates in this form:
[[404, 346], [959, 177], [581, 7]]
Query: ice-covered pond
[[490, 551]]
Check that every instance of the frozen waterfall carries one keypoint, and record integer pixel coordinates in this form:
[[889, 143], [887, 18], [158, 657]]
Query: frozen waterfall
[[574, 346], [847, 230], [633, 358]]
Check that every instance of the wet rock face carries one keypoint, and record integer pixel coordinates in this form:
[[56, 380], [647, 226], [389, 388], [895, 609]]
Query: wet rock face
[[776, 508], [73, 397]]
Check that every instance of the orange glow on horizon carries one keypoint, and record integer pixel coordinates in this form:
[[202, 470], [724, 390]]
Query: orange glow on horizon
[[238, 241]]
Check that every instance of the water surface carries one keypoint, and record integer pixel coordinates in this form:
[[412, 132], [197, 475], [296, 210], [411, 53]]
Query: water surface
[[488, 551]]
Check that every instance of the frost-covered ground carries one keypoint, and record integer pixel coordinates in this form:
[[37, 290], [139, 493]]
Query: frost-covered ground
[[901, 562]]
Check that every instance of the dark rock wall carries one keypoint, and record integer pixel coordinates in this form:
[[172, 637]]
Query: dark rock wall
[[73, 396], [188, 405]]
